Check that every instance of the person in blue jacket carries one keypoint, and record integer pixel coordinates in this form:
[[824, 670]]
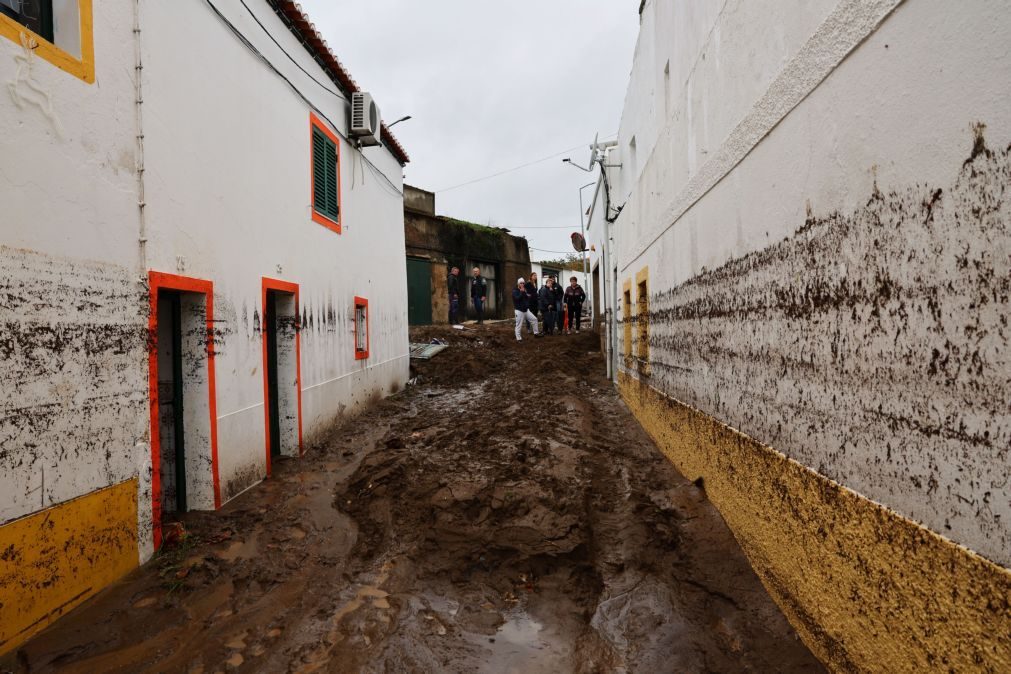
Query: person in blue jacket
[[521, 307]]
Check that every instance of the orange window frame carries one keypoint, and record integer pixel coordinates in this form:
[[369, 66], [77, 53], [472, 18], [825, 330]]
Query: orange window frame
[[362, 354], [291, 288], [156, 282], [334, 225]]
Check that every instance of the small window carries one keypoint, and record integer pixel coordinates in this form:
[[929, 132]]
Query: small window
[[361, 328], [35, 15], [325, 175], [58, 31]]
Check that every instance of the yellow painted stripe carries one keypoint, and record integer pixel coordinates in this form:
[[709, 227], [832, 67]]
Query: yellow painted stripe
[[53, 560], [867, 589]]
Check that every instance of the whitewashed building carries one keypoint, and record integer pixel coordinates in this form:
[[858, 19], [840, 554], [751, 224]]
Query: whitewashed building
[[803, 252], [200, 268]]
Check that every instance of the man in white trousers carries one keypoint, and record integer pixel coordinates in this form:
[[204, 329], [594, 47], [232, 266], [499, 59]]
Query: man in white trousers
[[521, 307]]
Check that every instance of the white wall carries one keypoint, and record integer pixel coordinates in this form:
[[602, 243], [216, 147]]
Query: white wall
[[227, 199], [228, 193], [73, 415], [808, 284]]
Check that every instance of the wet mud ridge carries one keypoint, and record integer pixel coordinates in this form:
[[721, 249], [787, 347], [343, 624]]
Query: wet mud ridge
[[503, 514]]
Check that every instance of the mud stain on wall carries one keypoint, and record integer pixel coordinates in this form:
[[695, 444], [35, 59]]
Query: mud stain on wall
[[873, 347], [73, 344], [868, 589]]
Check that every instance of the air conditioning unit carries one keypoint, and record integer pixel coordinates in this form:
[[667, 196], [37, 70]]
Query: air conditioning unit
[[365, 119]]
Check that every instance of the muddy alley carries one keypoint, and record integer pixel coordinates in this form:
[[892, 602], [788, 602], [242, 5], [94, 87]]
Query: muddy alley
[[504, 513]]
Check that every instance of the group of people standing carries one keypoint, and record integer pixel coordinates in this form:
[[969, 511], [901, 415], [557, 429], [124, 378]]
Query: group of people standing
[[478, 294], [551, 301]]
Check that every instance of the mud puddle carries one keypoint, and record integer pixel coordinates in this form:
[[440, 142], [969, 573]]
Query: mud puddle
[[504, 514]]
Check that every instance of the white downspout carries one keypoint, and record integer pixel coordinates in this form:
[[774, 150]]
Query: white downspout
[[139, 166]]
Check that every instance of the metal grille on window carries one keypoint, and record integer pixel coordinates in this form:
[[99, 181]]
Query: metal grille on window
[[361, 328]]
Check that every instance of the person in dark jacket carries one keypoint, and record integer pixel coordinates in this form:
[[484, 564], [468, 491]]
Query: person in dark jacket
[[453, 287], [547, 301], [574, 298], [521, 307], [478, 294], [531, 289], [556, 286]]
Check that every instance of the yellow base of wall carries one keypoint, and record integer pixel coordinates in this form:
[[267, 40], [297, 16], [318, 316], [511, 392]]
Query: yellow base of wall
[[867, 589], [53, 560]]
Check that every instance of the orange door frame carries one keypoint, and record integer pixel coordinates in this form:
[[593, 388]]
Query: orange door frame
[[292, 289], [362, 302], [161, 281]]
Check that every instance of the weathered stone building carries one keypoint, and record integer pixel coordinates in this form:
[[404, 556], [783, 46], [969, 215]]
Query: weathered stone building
[[436, 243]]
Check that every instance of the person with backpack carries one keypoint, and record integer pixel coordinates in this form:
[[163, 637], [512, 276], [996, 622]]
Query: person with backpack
[[547, 301], [521, 308], [574, 298]]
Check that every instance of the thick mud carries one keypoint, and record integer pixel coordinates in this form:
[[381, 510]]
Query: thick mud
[[503, 514]]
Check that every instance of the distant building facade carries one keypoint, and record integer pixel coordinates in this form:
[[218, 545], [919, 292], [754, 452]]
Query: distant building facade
[[194, 285], [436, 243], [803, 252]]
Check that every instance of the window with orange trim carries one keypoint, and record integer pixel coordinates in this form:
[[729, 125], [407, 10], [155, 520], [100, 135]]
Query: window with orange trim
[[325, 184], [361, 328]]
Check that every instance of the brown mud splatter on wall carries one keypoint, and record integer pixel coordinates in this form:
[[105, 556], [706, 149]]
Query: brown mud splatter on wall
[[872, 346], [74, 350]]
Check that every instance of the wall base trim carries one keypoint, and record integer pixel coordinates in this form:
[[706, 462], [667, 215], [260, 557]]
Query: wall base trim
[[866, 588], [53, 560]]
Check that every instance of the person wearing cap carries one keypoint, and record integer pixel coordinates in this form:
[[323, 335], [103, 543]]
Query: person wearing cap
[[521, 307]]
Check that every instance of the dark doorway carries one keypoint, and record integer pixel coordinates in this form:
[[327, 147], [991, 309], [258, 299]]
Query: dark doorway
[[419, 291], [598, 301], [281, 372], [273, 416], [171, 412]]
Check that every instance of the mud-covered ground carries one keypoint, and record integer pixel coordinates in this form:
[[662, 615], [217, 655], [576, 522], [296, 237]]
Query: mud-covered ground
[[503, 514]]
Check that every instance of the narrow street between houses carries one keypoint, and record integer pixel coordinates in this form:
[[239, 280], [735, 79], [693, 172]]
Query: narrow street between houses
[[504, 513]]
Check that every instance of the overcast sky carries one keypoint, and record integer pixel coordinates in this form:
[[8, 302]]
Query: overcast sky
[[491, 85]]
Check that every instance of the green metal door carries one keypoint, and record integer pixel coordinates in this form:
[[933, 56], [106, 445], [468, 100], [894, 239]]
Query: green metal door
[[419, 291]]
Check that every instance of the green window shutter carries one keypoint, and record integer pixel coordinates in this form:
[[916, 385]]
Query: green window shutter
[[319, 143], [332, 205]]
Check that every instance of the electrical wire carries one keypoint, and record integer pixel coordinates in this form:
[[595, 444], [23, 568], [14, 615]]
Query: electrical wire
[[559, 252], [607, 197], [534, 226], [290, 57], [517, 168], [298, 92]]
